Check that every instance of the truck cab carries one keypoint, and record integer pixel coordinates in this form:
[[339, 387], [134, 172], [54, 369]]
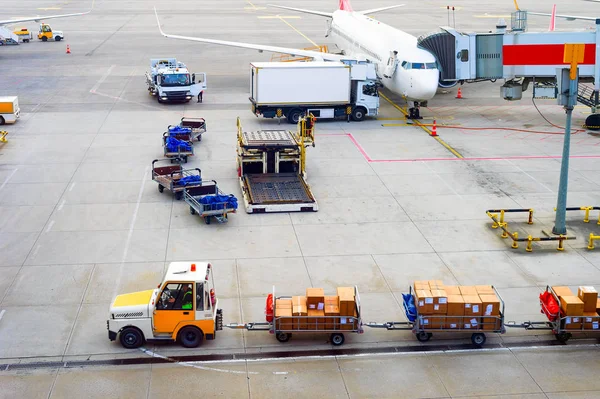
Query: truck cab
[[183, 308], [45, 33], [170, 80]]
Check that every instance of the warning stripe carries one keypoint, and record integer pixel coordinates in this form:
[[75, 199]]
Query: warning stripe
[[542, 54]]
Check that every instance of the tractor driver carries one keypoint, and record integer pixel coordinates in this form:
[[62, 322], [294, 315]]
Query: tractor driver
[[184, 298]]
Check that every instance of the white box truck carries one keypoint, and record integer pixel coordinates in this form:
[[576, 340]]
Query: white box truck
[[324, 89], [9, 109]]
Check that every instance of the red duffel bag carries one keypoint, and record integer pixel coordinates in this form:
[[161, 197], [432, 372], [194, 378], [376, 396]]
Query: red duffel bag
[[269, 308], [549, 305]]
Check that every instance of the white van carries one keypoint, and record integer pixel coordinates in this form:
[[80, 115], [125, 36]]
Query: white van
[[9, 109]]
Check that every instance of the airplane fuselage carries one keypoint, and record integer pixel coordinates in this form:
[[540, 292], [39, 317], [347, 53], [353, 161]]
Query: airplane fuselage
[[411, 72]]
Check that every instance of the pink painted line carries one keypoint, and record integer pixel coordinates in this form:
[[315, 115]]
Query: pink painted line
[[362, 150]]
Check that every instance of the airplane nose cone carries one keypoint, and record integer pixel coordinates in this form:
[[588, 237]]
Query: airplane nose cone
[[423, 88]]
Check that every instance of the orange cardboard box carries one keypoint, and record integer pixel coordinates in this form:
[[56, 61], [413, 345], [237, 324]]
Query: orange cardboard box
[[454, 323], [589, 296], [490, 305], [299, 310], [315, 298], [440, 302], [283, 315], [346, 300], [452, 290], [484, 289], [283, 304], [467, 290], [315, 320], [331, 309], [432, 321], [571, 305], [490, 323], [436, 285], [573, 323], [598, 305], [472, 323], [347, 323], [456, 305], [472, 305], [420, 285], [562, 291], [591, 321], [424, 302]]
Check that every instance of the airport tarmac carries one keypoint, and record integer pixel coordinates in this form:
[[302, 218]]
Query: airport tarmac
[[81, 220]]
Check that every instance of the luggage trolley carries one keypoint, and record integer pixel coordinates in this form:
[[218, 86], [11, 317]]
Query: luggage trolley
[[284, 327], [561, 325], [207, 201], [174, 178], [197, 126], [177, 150], [423, 326]]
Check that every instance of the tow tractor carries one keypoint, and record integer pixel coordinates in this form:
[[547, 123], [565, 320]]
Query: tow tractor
[[183, 308], [271, 168], [46, 33], [170, 80]]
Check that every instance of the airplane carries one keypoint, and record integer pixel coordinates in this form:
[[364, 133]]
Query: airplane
[[45, 17], [403, 67]]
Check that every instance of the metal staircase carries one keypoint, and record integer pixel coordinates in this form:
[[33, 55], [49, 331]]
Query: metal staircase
[[7, 37], [586, 95]]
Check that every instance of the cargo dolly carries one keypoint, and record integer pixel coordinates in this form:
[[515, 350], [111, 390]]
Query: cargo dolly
[[423, 326], [219, 207], [558, 323], [188, 129], [174, 178], [283, 327], [177, 150]]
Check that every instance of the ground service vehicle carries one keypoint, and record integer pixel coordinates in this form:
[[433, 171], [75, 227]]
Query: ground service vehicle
[[9, 109], [46, 33], [170, 80], [24, 35], [207, 201], [183, 308], [271, 169], [323, 89]]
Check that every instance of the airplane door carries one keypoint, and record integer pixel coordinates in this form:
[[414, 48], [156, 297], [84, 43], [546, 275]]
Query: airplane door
[[392, 64]]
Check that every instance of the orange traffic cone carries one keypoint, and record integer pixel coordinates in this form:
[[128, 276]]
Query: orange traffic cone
[[68, 49], [434, 129], [459, 94]]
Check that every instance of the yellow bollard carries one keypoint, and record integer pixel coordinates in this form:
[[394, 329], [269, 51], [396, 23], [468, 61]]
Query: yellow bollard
[[515, 237], [495, 216], [502, 216], [591, 243], [530, 220], [598, 218], [529, 242], [3, 139], [586, 219], [560, 243], [504, 228]]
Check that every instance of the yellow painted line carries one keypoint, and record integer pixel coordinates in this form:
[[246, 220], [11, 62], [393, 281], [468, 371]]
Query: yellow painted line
[[390, 119], [49, 8], [417, 123], [491, 16], [279, 16], [300, 33], [414, 124], [255, 8]]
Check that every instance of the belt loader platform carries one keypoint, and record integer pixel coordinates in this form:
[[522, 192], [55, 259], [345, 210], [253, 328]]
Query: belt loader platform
[[271, 169]]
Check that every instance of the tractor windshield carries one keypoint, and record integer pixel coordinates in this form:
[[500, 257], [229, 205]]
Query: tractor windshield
[[177, 79]]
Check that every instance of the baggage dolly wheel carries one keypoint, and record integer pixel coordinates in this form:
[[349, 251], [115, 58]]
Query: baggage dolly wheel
[[337, 339], [192, 211], [563, 337], [207, 219], [283, 337], [478, 339], [423, 336], [178, 195], [160, 188]]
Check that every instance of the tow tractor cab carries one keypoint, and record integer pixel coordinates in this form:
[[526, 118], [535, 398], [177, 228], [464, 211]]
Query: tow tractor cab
[[182, 308], [46, 33]]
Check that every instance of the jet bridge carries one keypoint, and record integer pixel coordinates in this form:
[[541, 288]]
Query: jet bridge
[[520, 58]]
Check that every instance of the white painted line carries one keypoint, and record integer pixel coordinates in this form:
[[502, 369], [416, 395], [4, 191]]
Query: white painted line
[[35, 251], [186, 364], [50, 226], [102, 79], [8, 178], [72, 185], [280, 372], [62, 203], [2, 314]]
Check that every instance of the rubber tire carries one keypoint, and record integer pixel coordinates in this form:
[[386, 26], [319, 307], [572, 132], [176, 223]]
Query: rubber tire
[[192, 211], [131, 338], [44, 39], [200, 138], [26, 41], [2, 121], [337, 339], [563, 337], [160, 188], [478, 339], [58, 38], [593, 121], [207, 219], [294, 116], [423, 336], [190, 337], [283, 337], [358, 114], [179, 195]]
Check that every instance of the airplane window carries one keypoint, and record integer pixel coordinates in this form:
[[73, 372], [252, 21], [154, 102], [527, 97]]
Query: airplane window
[[431, 65], [418, 65]]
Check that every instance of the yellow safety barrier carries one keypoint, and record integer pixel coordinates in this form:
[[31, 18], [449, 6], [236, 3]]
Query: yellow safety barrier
[[3, 134], [592, 239], [587, 209]]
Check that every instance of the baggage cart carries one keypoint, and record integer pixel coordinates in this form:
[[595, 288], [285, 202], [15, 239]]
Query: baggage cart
[[195, 198], [174, 178], [423, 326], [178, 132], [283, 327], [183, 151], [198, 126]]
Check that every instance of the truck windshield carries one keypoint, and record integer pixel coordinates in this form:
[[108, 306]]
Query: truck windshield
[[178, 79]]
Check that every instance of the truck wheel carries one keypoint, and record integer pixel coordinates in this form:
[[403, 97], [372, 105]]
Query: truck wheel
[[283, 337], [337, 339], [294, 116], [190, 337], [358, 114], [44, 39], [58, 38], [131, 338], [478, 339], [2, 121]]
